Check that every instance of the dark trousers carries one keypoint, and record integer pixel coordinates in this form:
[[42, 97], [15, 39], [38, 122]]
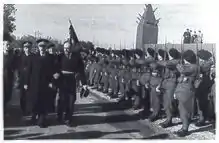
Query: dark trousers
[[155, 101], [168, 103], [67, 97], [8, 86], [145, 94], [23, 100]]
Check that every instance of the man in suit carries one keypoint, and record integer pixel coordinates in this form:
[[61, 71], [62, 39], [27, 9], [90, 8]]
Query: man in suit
[[25, 65], [71, 63], [40, 84]]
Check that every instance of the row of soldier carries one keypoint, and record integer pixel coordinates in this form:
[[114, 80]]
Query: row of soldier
[[157, 78], [149, 79]]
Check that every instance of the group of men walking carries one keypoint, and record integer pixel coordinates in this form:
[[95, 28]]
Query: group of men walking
[[41, 76], [152, 79], [157, 79]]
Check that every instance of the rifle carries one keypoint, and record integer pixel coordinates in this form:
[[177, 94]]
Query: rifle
[[165, 48], [213, 54], [182, 51]]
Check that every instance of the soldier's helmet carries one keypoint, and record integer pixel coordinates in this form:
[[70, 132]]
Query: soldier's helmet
[[204, 54], [189, 56], [174, 53], [163, 54], [139, 52]]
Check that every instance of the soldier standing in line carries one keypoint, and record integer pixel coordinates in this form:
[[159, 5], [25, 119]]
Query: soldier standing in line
[[105, 76], [212, 95], [185, 90], [155, 80], [24, 79], [145, 80], [92, 72], [169, 84], [139, 63], [121, 75], [203, 88], [70, 64]]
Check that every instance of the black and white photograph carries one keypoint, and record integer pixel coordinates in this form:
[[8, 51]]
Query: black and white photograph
[[108, 71]]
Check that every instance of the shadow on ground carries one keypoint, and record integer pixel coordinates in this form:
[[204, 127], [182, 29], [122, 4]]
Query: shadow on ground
[[71, 134]]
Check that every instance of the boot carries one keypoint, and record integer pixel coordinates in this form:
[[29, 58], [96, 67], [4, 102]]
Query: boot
[[200, 123], [42, 123], [166, 124], [181, 133], [153, 118]]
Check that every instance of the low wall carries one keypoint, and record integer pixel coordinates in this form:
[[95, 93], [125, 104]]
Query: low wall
[[207, 46]]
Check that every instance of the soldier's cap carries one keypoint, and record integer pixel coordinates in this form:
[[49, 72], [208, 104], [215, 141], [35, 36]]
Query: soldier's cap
[[139, 52], [42, 42], [189, 56], [27, 44], [162, 53], [204, 54], [125, 62], [151, 51], [174, 53]]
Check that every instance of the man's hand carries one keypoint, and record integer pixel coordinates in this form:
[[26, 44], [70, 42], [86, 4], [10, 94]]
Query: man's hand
[[25, 87], [158, 88], [50, 85], [174, 96], [146, 86], [85, 87], [56, 75]]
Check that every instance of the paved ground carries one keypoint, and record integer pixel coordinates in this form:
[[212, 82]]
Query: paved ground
[[95, 117]]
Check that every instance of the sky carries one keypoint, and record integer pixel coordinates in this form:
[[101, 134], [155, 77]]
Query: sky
[[107, 25]]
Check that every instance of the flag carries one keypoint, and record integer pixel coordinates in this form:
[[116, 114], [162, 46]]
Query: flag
[[72, 33]]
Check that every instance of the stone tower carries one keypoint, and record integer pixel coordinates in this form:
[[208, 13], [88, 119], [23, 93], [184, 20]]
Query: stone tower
[[147, 29]]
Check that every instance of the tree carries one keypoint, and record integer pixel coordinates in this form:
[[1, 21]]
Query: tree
[[9, 19]]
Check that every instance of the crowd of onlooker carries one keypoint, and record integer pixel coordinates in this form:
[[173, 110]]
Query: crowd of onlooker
[[194, 37]]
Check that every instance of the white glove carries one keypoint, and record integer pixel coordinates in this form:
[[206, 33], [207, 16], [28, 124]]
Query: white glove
[[56, 75], [25, 87], [50, 85], [138, 83], [157, 89], [146, 86], [85, 86], [174, 96]]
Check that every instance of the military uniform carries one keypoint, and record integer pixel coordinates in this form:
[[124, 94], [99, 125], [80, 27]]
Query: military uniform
[[185, 90], [169, 84], [204, 86], [155, 95]]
